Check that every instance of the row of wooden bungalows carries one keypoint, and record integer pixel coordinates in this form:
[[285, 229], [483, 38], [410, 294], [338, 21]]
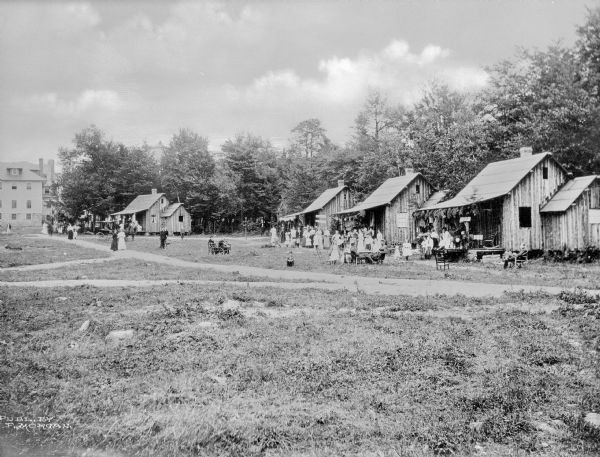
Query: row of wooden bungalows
[[530, 200]]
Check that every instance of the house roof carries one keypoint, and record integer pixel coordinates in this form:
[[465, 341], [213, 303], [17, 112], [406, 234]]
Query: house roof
[[323, 199], [567, 194], [384, 194], [434, 199], [290, 217], [169, 210], [495, 180], [26, 175], [140, 203]]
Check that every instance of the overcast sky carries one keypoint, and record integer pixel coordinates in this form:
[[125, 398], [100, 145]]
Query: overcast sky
[[142, 70]]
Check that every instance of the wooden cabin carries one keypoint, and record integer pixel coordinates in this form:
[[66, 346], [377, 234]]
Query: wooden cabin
[[146, 210], [502, 203], [329, 203], [391, 206], [571, 218], [176, 219]]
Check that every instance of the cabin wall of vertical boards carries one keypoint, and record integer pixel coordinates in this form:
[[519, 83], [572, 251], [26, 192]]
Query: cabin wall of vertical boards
[[152, 217], [343, 200], [574, 228], [174, 226], [400, 211], [532, 192]]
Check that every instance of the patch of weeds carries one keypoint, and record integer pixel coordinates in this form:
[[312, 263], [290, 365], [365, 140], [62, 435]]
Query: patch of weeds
[[231, 315], [456, 358], [241, 296], [578, 296], [528, 297]]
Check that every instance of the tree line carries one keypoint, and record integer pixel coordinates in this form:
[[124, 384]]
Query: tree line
[[548, 99]]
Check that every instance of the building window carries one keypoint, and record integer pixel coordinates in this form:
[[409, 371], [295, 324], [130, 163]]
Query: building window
[[525, 216], [28, 216], [14, 204], [545, 172], [417, 188], [154, 218], [28, 204], [47, 191], [13, 216], [14, 187], [28, 186]]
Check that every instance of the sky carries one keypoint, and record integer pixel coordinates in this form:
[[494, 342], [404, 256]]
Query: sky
[[141, 70]]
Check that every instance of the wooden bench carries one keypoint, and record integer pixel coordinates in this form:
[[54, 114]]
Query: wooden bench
[[441, 261]]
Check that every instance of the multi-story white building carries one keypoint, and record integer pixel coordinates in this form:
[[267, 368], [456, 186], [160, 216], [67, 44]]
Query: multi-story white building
[[25, 193]]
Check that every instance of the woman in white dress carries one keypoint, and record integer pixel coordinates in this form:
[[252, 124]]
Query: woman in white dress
[[360, 247], [334, 254], [121, 240]]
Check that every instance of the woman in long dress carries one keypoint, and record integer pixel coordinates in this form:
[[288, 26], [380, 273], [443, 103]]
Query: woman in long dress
[[114, 245], [334, 254], [318, 241], [121, 240]]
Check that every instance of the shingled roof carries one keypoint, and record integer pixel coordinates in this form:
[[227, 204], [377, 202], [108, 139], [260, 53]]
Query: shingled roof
[[140, 203], [384, 194], [169, 210], [27, 173], [323, 199], [567, 195], [495, 180]]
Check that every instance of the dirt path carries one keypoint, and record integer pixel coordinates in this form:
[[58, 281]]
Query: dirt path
[[326, 281]]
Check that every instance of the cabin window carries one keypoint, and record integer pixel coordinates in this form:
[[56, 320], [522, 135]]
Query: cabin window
[[28, 216], [28, 204], [47, 191], [13, 216], [180, 218], [417, 188], [545, 172], [14, 187], [154, 218], [14, 204], [28, 186], [525, 216]]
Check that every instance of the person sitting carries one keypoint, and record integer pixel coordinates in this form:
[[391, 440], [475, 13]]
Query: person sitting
[[515, 257], [290, 259]]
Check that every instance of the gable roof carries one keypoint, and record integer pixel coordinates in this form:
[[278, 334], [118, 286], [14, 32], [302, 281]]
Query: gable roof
[[27, 175], [495, 180], [290, 217], [169, 210], [434, 199], [567, 194], [384, 194], [140, 203], [323, 199]]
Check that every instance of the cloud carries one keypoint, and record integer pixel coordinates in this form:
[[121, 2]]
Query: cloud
[[50, 103], [395, 70]]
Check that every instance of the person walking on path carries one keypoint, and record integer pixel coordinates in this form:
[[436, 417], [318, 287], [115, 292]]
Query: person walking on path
[[114, 245], [163, 238], [121, 240]]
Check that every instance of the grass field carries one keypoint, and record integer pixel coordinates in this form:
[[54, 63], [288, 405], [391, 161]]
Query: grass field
[[253, 252], [124, 269], [23, 250], [268, 372]]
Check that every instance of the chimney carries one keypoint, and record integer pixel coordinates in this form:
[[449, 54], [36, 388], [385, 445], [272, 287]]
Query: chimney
[[526, 151], [153, 191], [341, 183], [408, 170], [51, 169], [41, 166]]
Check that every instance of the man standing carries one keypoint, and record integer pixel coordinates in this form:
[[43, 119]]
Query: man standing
[[163, 237]]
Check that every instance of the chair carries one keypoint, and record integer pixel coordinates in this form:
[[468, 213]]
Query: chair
[[441, 260], [212, 247], [521, 258]]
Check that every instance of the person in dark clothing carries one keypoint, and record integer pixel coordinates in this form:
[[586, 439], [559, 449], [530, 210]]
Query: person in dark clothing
[[114, 245], [163, 238]]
